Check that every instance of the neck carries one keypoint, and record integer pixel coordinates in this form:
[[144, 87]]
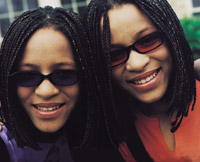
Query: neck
[[42, 137], [155, 109]]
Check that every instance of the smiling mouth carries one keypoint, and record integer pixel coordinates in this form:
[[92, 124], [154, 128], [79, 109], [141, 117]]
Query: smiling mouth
[[145, 80], [48, 108]]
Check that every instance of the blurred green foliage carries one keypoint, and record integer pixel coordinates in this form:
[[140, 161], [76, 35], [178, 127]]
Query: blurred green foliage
[[191, 28]]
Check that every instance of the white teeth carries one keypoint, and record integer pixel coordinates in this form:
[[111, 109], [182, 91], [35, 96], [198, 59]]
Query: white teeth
[[143, 81], [47, 109]]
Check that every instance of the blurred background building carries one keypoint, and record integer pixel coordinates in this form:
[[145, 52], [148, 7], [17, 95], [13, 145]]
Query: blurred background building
[[186, 8], [10, 9]]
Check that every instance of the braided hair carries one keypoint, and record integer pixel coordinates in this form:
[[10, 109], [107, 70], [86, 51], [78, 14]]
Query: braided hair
[[12, 48], [181, 90]]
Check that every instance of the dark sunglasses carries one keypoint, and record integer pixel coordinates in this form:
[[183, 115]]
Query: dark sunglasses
[[143, 45], [35, 78]]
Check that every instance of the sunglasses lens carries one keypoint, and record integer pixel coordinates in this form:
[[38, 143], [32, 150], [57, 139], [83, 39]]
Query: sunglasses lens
[[30, 79], [64, 77], [118, 57], [149, 42], [144, 45], [27, 79]]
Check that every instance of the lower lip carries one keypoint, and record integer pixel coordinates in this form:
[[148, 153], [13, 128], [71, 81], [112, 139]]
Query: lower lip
[[48, 114], [146, 86]]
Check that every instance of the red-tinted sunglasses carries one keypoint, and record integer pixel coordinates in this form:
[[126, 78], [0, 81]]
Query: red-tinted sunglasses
[[143, 45]]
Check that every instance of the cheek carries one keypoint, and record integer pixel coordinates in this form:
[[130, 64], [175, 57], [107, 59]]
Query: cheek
[[166, 58], [72, 93], [118, 77], [165, 55], [117, 74], [24, 93]]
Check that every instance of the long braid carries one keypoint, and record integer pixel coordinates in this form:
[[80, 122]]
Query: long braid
[[90, 123], [12, 49], [93, 27], [92, 21], [106, 46]]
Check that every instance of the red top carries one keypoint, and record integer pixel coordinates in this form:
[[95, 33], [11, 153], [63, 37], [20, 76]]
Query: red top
[[187, 138]]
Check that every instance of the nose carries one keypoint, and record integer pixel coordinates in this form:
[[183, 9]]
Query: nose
[[46, 90], [137, 61]]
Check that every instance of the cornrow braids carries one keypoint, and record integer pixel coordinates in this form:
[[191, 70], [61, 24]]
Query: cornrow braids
[[11, 52], [181, 90]]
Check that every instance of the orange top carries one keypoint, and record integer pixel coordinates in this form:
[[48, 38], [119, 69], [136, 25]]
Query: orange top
[[187, 138]]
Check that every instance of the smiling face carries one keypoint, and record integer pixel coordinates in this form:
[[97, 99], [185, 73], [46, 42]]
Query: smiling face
[[47, 105], [145, 76]]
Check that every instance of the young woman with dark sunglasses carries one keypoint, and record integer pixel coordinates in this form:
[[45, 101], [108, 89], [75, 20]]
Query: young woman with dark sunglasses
[[48, 88], [146, 66]]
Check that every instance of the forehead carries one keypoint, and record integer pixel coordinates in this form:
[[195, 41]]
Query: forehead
[[47, 46], [127, 19]]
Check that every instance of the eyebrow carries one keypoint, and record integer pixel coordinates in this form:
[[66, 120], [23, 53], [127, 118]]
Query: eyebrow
[[54, 66], [60, 64], [29, 65], [136, 36]]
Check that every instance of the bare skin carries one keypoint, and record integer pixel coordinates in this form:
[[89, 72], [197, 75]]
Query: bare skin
[[164, 122], [197, 68], [1, 126]]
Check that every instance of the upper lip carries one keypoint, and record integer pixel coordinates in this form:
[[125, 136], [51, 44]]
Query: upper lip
[[46, 105], [143, 76]]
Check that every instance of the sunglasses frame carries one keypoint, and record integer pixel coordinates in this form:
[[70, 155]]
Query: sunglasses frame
[[42, 77], [132, 47]]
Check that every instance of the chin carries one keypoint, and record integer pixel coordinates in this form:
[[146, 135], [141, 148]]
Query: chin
[[49, 128], [150, 100]]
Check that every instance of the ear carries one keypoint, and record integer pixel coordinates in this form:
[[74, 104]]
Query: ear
[[197, 68]]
